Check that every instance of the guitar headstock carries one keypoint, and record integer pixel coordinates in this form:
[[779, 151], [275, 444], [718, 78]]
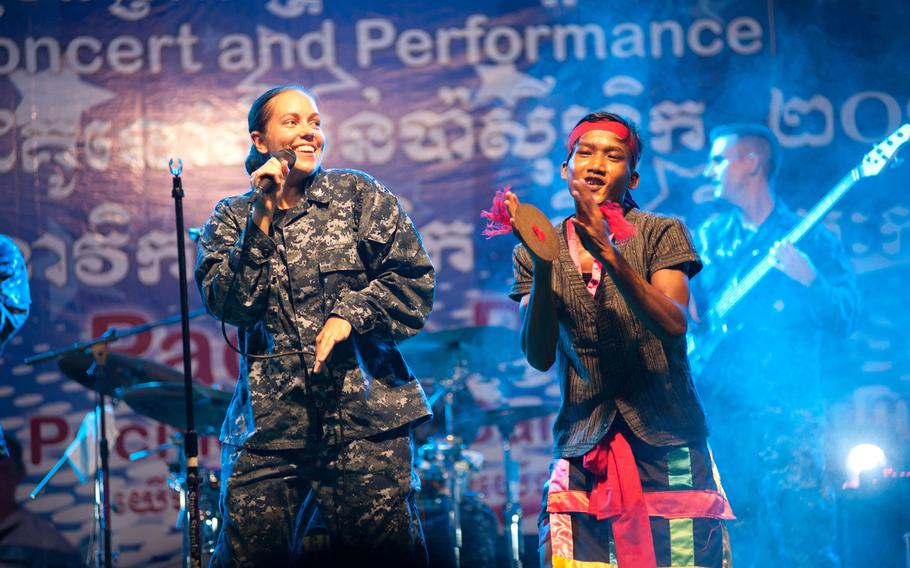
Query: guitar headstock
[[876, 160]]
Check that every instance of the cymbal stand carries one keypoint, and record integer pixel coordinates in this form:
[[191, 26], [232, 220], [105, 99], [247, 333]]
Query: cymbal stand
[[452, 448], [102, 474], [511, 509]]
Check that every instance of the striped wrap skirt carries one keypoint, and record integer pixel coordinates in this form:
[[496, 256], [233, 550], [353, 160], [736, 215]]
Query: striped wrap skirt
[[627, 504]]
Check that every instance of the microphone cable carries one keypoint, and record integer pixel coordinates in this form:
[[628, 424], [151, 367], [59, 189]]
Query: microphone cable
[[286, 155]]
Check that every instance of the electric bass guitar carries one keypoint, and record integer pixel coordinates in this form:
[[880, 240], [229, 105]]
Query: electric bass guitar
[[704, 340]]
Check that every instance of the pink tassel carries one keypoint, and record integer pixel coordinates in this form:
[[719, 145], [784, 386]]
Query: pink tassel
[[622, 230], [498, 218]]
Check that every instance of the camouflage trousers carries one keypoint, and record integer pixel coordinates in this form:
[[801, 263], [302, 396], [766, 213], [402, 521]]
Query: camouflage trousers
[[364, 492]]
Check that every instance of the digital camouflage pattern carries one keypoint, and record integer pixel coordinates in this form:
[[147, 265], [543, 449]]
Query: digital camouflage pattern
[[14, 293], [346, 249], [364, 490]]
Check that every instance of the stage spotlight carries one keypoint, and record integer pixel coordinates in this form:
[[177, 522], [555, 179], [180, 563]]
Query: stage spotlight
[[864, 457]]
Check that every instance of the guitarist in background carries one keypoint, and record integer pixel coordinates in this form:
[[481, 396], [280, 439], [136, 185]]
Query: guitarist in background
[[762, 386]]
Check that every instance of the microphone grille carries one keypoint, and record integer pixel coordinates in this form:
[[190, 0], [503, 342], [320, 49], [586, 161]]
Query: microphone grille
[[287, 155]]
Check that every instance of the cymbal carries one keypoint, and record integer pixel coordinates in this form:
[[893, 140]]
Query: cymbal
[[463, 403], [536, 232], [120, 372], [505, 417], [165, 403], [481, 349]]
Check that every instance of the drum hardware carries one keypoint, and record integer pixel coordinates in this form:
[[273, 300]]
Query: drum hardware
[[121, 371], [487, 351], [511, 509], [209, 483], [481, 531], [451, 476], [505, 418], [164, 402], [432, 458], [87, 362]]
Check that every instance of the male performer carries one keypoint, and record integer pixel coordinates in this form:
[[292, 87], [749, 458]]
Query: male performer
[[633, 482], [762, 387]]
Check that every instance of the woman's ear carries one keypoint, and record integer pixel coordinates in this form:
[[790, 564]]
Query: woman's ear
[[633, 180], [258, 143]]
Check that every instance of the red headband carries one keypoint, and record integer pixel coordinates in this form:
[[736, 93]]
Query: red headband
[[617, 128]]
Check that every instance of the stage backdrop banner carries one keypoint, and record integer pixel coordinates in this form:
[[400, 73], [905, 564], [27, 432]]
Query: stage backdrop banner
[[445, 104]]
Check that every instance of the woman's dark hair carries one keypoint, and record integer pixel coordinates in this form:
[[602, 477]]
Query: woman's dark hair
[[635, 147], [258, 117]]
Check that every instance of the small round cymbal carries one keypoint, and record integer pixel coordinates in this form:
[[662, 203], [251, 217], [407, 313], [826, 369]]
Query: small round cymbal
[[120, 372], [535, 231], [505, 417], [482, 349], [165, 403]]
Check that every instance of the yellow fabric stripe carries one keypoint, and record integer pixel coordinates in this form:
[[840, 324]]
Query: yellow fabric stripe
[[682, 542], [570, 563], [679, 468]]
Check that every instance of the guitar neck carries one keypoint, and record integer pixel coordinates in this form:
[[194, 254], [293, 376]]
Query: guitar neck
[[735, 292]]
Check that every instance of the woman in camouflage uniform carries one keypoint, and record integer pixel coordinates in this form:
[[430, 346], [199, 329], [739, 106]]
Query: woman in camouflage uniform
[[321, 275]]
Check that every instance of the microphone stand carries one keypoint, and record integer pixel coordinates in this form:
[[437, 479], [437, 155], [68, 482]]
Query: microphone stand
[[102, 474], [190, 437]]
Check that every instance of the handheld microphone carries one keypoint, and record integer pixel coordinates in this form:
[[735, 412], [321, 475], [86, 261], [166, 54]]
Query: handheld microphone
[[286, 155]]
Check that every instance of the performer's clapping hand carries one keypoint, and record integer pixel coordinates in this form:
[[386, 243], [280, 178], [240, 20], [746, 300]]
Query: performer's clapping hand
[[794, 263], [335, 330], [592, 229]]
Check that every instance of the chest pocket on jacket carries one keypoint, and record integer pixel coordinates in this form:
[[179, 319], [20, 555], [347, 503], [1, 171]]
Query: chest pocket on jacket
[[340, 269]]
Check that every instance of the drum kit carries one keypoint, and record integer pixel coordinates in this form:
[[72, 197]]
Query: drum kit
[[457, 522], [461, 530]]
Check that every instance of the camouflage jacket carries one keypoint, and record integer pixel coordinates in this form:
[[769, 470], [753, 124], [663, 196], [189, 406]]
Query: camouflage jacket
[[346, 249], [14, 294]]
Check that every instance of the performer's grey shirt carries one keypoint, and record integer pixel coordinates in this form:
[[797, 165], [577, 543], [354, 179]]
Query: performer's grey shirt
[[347, 249], [607, 361]]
